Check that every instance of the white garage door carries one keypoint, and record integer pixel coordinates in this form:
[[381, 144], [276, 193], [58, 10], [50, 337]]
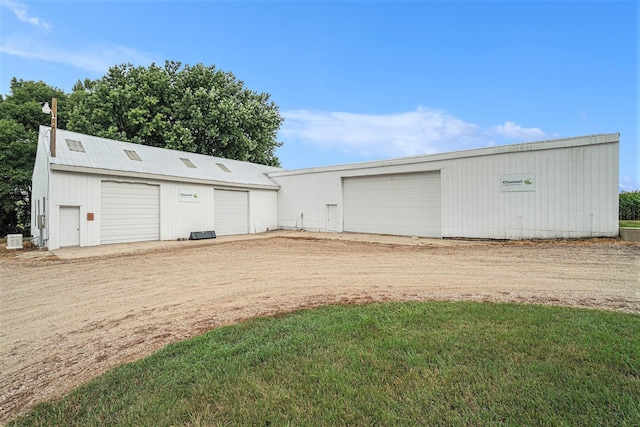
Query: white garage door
[[401, 204], [231, 214], [130, 212]]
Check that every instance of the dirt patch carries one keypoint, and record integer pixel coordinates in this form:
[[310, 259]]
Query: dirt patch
[[64, 321]]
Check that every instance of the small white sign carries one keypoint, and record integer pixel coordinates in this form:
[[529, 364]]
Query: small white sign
[[188, 196], [518, 182]]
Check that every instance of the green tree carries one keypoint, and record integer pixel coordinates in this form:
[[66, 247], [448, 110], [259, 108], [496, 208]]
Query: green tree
[[192, 108], [24, 104], [17, 152], [20, 117]]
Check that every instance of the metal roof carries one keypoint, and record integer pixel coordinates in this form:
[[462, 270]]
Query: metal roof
[[476, 152], [91, 154]]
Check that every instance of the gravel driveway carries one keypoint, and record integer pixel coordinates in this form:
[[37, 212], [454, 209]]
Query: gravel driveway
[[71, 315]]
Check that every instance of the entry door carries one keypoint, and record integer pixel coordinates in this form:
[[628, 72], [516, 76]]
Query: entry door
[[69, 226], [332, 217]]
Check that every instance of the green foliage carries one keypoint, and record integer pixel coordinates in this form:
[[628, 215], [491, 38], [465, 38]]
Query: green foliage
[[436, 363], [24, 104], [196, 109], [630, 224], [17, 153], [630, 205], [20, 117]]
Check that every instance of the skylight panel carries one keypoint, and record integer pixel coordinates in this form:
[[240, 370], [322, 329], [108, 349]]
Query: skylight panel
[[133, 155], [187, 162], [75, 145], [223, 167]]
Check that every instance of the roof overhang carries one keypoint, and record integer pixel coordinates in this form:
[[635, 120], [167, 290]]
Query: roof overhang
[[141, 175], [477, 152]]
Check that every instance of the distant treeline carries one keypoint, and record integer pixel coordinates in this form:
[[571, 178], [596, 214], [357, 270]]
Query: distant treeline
[[630, 205]]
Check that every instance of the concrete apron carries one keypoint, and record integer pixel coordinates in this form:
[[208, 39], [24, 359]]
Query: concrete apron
[[77, 252], [630, 234]]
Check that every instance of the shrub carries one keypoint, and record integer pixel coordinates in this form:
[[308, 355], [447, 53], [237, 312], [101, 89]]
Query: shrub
[[629, 205]]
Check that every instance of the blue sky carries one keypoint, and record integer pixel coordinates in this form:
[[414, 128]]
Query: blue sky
[[366, 80]]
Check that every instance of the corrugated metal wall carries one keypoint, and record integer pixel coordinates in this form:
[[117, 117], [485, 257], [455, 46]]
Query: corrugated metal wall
[[263, 210], [575, 196], [40, 190], [178, 216], [576, 190], [303, 200], [70, 189]]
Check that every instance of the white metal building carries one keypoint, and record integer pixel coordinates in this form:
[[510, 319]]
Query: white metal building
[[98, 191], [550, 189]]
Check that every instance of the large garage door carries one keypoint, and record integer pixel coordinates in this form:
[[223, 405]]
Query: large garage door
[[130, 212], [231, 212], [402, 204]]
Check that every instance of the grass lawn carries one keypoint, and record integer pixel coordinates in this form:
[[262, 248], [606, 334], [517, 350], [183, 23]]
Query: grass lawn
[[434, 363], [630, 224]]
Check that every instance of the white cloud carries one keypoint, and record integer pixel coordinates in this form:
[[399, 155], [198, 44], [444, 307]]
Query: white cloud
[[514, 131], [95, 58], [423, 131], [20, 10], [628, 184]]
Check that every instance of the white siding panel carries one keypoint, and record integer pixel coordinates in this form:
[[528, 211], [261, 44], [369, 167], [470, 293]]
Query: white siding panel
[[263, 210], [576, 192], [40, 190], [130, 212], [574, 195], [179, 217], [231, 212], [400, 204], [72, 189], [302, 201]]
